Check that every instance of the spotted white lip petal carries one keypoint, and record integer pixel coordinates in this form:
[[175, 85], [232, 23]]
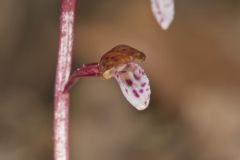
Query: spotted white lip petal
[[163, 10], [134, 84]]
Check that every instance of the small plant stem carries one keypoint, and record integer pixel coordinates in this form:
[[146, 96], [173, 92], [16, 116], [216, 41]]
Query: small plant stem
[[86, 70], [61, 100]]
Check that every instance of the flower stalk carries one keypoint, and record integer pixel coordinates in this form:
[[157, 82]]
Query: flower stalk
[[61, 100]]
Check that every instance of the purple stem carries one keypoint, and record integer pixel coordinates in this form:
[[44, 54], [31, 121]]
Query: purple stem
[[61, 100]]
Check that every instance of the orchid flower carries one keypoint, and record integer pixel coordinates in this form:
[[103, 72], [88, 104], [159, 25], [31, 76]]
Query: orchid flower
[[121, 63], [163, 10]]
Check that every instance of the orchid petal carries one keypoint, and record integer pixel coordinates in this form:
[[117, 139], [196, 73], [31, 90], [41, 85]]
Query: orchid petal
[[118, 55], [134, 84], [163, 10]]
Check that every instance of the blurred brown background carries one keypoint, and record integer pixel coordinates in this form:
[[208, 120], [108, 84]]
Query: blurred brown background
[[194, 70]]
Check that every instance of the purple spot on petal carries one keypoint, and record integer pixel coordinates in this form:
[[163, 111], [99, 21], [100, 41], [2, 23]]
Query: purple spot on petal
[[126, 90], [143, 84], [147, 89], [129, 82], [135, 93], [141, 90]]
